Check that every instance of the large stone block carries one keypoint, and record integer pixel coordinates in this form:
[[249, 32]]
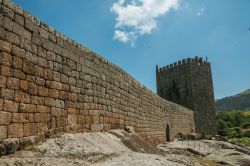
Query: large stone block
[[10, 106], [3, 81], [53, 93], [1, 104], [6, 22], [61, 121], [56, 111], [11, 145], [50, 102], [24, 85], [3, 32], [43, 109], [30, 129], [30, 53], [3, 132], [13, 38], [29, 67], [59, 103], [17, 63], [19, 19], [96, 120], [6, 59], [13, 83], [6, 71], [27, 108], [40, 117], [42, 127], [5, 118], [17, 51], [22, 97], [72, 119], [33, 89], [72, 111], [43, 91], [37, 100], [21, 118], [15, 130], [7, 94], [19, 30]]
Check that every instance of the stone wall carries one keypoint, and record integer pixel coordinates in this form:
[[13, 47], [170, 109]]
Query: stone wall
[[189, 83], [50, 84]]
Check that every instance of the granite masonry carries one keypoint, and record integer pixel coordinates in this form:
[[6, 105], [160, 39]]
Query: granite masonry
[[50, 84], [189, 83]]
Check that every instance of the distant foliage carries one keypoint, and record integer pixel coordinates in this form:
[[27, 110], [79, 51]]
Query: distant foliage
[[234, 124]]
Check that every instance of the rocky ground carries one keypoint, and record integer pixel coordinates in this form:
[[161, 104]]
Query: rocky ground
[[119, 147]]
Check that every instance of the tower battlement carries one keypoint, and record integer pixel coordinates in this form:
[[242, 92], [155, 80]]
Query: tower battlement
[[196, 60]]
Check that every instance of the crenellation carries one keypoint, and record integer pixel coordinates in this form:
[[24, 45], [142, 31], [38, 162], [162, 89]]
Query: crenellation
[[175, 64], [179, 63], [196, 60]]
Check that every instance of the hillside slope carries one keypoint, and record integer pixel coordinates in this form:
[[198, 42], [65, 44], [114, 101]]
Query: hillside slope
[[240, 101]]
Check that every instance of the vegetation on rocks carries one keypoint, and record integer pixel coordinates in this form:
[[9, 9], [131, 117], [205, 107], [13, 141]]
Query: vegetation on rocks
[[235, 126]]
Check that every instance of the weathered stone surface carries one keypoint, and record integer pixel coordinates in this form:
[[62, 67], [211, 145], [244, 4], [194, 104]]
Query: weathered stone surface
[[43, 109], [11, 145], [19, 19], [30, 129], [15, 130], [2, 150], [7, 94], [6, 71], [3, 133], [40, 117], [10, 106], [13, 83], [26, 141], [21, 118], [3, 81], [19, 30], [17, 63], [24, 85], [6, 59], [22, 97]]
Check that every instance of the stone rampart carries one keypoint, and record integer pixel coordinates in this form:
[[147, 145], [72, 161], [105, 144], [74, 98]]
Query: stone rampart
[[50, 84]]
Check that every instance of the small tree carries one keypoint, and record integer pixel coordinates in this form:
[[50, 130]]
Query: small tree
[[222, 127]]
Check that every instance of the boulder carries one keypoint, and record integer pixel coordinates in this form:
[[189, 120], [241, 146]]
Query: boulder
[[11, 145]]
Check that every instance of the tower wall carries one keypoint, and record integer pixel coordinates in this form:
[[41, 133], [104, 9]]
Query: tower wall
[[189, 83]]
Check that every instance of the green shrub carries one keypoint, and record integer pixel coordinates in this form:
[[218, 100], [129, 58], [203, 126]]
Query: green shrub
[[242, 141], [234, 132], [245, 125], [246, 133], [222, 127]]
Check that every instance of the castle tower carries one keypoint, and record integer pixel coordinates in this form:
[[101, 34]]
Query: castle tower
[[189, 83]]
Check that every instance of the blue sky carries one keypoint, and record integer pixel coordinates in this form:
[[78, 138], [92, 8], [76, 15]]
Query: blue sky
[[218, 29]]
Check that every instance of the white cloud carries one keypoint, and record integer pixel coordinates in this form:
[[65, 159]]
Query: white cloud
[[139, 17], [125, 37], [201, 11]]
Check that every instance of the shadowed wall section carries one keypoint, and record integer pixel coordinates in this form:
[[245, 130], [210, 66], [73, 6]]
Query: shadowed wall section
[[50, 84]]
